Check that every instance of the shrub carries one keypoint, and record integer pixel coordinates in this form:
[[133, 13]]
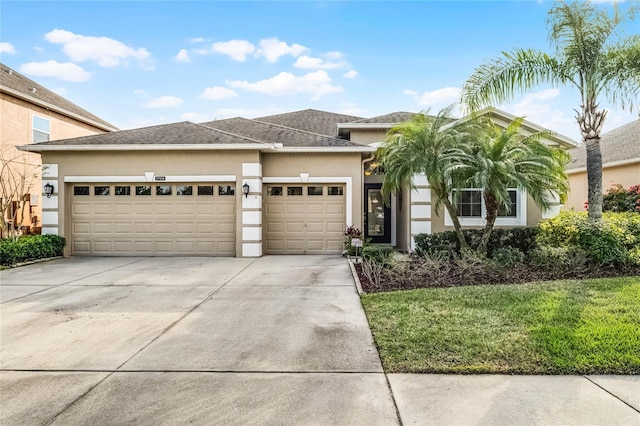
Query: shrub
[[618, 199], [559, 261], [508, 257], [606, 242], [522, 238], [350, 233], [30, 248], [379, 254]]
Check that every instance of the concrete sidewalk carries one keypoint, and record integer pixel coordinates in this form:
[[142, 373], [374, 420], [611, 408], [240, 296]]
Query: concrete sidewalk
[[275, 340]]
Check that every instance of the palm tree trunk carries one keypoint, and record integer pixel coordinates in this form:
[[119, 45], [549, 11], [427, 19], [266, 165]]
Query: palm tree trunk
[[591, 121], [594, 178], [492, 212], [456, 223]]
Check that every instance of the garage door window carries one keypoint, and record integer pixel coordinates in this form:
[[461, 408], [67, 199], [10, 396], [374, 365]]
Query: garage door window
[[335, 190], [101, 190], [274, 190], [122, 190], [205, 190], [80, 190], [226, 190], [163, 190], [294, 190], [143, 190], [184, 190], [315, 190]]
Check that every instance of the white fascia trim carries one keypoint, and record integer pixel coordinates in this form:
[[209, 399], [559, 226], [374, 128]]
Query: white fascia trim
[[140, 147], [365, 125], [519, 220], [141, 179], [57, 109], [347, 180], [607, 165], [363, 148]]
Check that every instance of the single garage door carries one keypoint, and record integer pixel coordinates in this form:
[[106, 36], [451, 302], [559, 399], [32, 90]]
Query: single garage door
[[304, 219], [153, 219]]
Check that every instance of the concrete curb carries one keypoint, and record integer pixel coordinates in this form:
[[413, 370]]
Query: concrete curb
[[355, 276], [31, 262]]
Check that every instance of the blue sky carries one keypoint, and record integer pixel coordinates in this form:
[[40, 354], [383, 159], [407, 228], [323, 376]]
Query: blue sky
[[149, 62]]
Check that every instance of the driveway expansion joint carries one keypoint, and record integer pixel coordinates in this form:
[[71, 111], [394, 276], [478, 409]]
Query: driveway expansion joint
[[613, 395]]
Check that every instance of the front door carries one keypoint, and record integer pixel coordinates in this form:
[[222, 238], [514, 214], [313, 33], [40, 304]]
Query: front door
[[377, 216]]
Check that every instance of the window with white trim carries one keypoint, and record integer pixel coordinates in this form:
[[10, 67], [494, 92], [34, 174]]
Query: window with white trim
[[472, 211], [41, 129]]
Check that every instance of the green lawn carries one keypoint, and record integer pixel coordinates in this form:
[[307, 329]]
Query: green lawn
[[560, 327]]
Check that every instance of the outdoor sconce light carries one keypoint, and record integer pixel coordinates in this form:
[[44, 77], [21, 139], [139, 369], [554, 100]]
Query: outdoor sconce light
[[48, 190], [245, 190]]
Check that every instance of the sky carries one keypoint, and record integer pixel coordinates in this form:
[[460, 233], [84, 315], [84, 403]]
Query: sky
[[142, 63]]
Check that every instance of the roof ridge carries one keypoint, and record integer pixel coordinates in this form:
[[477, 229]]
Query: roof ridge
[[229, 133], [293, 128]]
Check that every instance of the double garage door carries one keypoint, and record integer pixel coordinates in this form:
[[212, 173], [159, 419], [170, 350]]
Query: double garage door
[[121, 219], [153, 219]]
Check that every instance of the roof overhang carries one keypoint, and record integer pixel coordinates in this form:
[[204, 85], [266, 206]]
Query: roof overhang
[[193, 147], [365, 125], [55, 108], [606, 165]]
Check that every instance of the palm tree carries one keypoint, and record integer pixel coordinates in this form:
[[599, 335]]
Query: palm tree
[[426, 145], [589, 56], [504, 158]]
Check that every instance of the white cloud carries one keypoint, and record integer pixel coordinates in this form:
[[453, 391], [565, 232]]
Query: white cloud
[[194, 117], [164, 102], [183, 56], [6, 47], [105, 51], [410, 92], [317, 83], [308, 62], [236, 49], [333, 55], [272, 49], [222, 113], [196, 40], [217, 93], [350, 108], [199, 51], [60, 91], [351, 74], [446, 95], [139, 92], [64, 71]]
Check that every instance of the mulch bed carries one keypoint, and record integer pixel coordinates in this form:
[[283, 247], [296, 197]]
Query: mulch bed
[[411, 277]]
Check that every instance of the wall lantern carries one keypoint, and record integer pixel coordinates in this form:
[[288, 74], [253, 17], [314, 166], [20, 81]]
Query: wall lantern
[[48, 190], [245, 190]]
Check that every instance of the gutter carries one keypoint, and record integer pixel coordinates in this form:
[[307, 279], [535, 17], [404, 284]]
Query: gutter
[[606, 165], [275, 148]]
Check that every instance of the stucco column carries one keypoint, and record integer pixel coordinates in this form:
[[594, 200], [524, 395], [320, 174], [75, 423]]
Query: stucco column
[[50, 205], [251, 210], [420, 208]]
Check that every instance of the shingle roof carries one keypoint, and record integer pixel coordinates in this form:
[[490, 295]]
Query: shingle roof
[[622, 143], [393, 118], [311, 120], [16, 84], [183, 133], [274, 133]]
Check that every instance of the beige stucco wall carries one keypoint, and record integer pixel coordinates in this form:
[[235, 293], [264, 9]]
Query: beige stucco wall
[[626, 175], [16, 129], [367, 136]]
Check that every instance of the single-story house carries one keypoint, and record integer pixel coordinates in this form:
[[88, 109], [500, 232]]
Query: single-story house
[[620, 150], [283, 184]]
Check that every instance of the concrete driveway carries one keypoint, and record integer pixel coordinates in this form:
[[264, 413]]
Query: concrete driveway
[[274, 340]]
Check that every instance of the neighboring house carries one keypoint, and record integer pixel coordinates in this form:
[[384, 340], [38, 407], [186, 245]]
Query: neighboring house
[[30, 113], [620, 164], [239, 187]]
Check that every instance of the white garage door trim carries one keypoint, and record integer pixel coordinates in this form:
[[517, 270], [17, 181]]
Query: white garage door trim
[[299, 179], [143, 178]]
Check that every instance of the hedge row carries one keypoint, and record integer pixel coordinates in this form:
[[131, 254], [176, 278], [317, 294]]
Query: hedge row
[[30, 248]]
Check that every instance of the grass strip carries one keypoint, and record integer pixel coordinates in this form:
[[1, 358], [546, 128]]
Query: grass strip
[[558, 327]]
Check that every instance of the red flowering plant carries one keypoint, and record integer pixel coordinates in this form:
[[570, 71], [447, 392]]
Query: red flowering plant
[[618, 199]]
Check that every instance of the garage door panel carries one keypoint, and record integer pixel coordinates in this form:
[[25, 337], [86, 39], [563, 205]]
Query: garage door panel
[[152, 224], [304, 224]]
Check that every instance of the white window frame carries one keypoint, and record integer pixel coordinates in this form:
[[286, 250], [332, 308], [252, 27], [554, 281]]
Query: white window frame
[[519, 220], [33, 127]]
